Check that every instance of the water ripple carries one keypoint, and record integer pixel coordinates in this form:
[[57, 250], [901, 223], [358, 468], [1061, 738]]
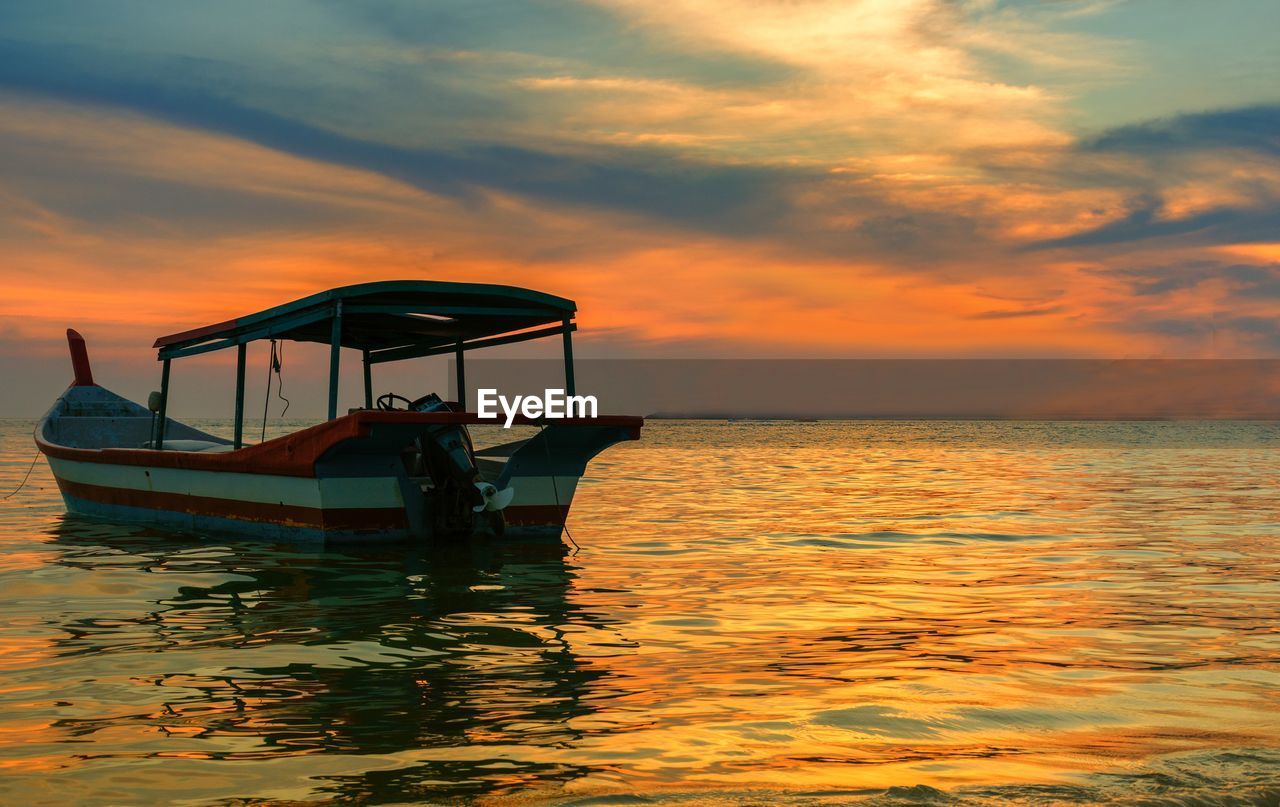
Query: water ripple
[[831, 613]]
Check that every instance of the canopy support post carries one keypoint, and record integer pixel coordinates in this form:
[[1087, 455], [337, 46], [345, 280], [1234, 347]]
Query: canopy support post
[[568, 359], [335, 348], [368, 381], [164, 406], [462, 376], [241, 350]]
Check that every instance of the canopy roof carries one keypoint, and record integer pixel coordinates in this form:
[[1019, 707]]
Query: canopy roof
[[392, 319]]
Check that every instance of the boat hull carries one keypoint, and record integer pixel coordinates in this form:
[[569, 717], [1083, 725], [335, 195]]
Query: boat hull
[[261, 505], [276, 507], [342, 480]]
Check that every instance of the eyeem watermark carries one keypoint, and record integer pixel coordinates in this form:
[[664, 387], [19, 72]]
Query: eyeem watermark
[[553, 404]]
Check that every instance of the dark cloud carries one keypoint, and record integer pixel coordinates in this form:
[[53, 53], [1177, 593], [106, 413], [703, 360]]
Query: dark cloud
[[1162, 154], [1015, 313], [1256, 128], [1236, 286], [1256, 281], [792, 205], [1243, 281], [916, 232], [560, 31], [728, 199], [122, 203], [1221, 225], [1261, 333], [735, 200]]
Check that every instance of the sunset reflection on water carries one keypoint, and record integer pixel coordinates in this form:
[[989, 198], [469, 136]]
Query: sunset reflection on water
[[768, 611]]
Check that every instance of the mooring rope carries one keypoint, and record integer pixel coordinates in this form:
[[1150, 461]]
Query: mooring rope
[[273, 365], [277, 362], [30, 468]]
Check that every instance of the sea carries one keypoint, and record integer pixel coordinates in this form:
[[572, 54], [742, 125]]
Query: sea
[[840, 612]]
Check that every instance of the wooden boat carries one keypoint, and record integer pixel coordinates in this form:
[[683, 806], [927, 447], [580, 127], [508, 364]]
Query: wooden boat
[[380, 471]]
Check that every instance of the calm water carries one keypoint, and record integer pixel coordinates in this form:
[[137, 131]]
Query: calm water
[[763, 613]]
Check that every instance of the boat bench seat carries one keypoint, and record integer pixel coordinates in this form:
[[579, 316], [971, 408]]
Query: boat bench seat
[[199, 446]]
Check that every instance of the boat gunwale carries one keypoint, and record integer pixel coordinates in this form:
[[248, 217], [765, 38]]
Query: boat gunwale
[[296, 454]]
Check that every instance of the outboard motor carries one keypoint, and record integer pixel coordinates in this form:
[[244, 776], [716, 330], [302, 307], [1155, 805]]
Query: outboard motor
[[459, 502]]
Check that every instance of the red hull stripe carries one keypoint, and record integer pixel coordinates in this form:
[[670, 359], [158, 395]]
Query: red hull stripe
[[539, 514], [296, 454], [353, 518]]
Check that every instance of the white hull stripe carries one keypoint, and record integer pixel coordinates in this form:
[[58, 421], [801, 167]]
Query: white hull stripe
[[337, 492], [538, 490], [348, 492]]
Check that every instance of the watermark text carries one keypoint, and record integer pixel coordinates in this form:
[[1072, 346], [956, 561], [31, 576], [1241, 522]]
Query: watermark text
[[553, 404]]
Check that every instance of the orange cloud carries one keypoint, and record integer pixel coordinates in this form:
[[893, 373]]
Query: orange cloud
[[642, 287]]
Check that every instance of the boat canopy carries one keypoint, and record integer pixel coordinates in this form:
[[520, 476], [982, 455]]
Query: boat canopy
[[391, 320], [386, 321]]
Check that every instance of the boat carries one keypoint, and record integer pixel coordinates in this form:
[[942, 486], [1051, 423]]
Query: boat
[[398, 467]]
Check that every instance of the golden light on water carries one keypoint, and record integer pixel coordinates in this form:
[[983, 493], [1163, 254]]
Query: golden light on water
[[770, 608]]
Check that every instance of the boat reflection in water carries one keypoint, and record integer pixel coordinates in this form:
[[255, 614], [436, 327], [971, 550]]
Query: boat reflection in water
[[356, 652]]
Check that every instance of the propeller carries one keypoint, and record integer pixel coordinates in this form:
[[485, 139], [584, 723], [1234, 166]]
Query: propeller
[[494, 499]]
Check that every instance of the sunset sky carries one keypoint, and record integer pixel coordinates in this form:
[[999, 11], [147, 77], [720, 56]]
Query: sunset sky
[[705, 177]]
